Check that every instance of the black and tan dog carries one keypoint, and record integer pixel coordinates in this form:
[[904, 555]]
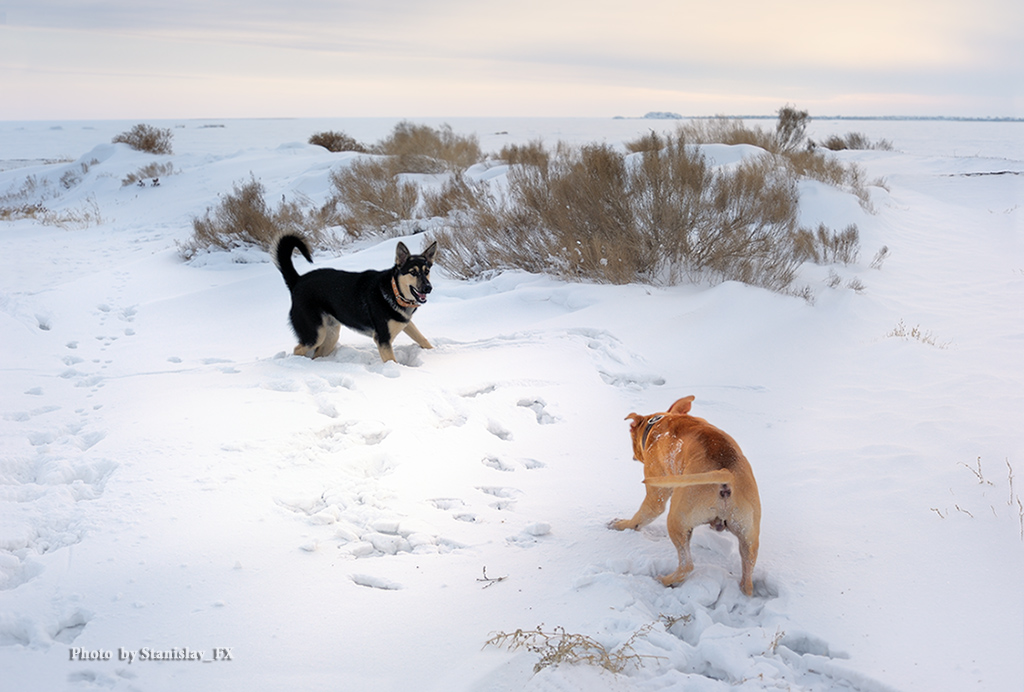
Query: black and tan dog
[[379, 304], [709, 480]]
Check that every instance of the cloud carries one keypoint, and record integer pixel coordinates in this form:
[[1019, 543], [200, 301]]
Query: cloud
[[554, 56]]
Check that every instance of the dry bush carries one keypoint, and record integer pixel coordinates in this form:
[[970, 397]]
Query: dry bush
[[791, 128], [150, 171], [558, 646], [855, 140], [722, 130], [69, 219], [142, 137], [816, 165], [826, 246], [902, 331], [424, 149], [88, 214], [374, 198], [244, 218], [880, 257], [529, 154], [73, 175], [789, 134], [656, 216], [30, 187], [571, 220], [456, 194], [332, 140], [748, 235], [33, 210]]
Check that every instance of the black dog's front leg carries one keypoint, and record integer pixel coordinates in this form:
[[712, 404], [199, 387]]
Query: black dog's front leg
[[383, 335]]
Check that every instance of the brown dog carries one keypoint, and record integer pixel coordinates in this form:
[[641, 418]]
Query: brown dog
[[709, 480]]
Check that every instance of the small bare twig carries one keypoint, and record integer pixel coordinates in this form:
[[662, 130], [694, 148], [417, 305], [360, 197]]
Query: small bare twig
[[1020, 511], [776, 640], [977, 472], [491, 581], [941, 515], [1010, 470]]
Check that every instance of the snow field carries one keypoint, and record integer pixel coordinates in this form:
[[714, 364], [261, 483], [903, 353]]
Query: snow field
[[171, 477]]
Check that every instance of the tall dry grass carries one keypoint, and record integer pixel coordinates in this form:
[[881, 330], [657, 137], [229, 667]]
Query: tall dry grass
[[243, 218], [657, 216], [147, 138], [424, 149], [657, 213], [855, 140], [335, 141], [372, 197]]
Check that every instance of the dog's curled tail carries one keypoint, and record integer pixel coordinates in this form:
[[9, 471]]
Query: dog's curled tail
[[284, 246], [719, 477]]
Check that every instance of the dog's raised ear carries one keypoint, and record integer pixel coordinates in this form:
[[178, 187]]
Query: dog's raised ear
[[634, 420], [401, 254], [430, 252], [683, 405]]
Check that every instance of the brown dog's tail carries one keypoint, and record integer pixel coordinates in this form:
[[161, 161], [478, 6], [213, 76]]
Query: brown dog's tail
[[721, 476], [282, 254]]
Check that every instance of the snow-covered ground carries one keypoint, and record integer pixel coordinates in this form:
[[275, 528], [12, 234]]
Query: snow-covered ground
[[172, 480]]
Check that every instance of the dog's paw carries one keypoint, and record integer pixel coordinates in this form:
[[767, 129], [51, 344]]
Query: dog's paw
[[674, 579], [622, 524]]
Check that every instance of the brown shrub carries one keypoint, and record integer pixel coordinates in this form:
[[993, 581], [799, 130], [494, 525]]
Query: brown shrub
[[150, 171], [336, 142], [142, 137], [244, 218], [855, 140], [654, 217], [456, 194], [791, 127], [826, 246], [27, 210], [817, 165], [374, 198], [530, 154], [424, 149], [723, 130]]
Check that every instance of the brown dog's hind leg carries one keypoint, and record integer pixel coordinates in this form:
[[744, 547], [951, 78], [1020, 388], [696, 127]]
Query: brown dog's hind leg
[[680, 529], [748, 558]]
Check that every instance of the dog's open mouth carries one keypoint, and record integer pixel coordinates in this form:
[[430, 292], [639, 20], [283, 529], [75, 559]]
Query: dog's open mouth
[[420, 298]]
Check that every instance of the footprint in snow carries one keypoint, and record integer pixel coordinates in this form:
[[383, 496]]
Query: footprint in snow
[[505, 496], [539, 408], [499, 431], [376, 582], [531, 535], [502, 464], [497, 463], [455, 506], [631, 380]]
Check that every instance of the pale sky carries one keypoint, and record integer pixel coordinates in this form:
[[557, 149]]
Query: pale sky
[[83, 59]]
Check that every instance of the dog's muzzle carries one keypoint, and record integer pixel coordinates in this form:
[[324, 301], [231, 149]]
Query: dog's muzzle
[[421, 296]]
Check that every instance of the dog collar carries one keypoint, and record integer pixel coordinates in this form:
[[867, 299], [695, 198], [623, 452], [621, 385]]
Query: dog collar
[[399, 298], [647, 430]]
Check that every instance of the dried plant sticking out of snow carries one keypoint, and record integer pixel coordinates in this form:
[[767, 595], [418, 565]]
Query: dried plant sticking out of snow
[[902, 331], [558, 646], [143, 137], [150, 171]]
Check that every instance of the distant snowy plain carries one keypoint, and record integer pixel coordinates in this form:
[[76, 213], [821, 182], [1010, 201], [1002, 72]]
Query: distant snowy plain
[[174, 484]]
